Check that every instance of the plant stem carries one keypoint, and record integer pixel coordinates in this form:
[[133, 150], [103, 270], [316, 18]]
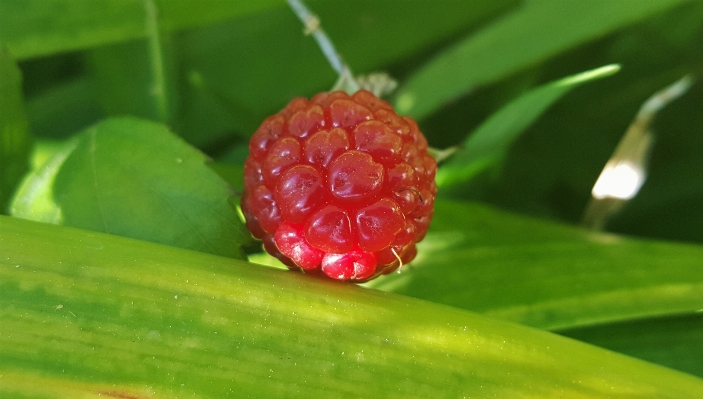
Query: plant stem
[[312, 27]]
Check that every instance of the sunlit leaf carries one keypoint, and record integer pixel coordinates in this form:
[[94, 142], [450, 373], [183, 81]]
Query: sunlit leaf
[[93, 315]]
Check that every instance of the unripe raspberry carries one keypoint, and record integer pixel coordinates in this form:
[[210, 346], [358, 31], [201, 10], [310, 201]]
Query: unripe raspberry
[[340, 184]]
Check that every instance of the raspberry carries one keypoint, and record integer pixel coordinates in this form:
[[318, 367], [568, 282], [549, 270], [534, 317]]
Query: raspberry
[[339, 184]]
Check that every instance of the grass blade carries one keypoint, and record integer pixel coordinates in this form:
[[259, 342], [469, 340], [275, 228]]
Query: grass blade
[[545, 274], [486, 146], [93, 315], [536, 31]]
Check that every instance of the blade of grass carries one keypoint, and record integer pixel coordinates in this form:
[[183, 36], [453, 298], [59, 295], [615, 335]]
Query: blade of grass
[[674, 341], [544, 274], [532, 33], [486, 146], [93, 315]]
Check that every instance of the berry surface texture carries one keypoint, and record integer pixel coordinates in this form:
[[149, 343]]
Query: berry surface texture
[[340, 186]]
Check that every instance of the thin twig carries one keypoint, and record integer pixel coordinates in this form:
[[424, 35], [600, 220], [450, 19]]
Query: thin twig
[[312, 27]]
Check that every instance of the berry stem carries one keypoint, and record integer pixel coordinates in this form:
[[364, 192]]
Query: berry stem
[[346, 80]]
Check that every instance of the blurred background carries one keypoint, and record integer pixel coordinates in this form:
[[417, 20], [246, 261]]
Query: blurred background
[[218, 68]]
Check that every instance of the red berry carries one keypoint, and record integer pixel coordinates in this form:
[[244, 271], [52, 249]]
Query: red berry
[[340, 184]]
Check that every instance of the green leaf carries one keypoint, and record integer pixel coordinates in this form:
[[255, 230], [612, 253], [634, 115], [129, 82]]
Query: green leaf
[[675, 341], [93, 315], [544, 274], [534, 32], [485, 147], [136, 179], [15, 141], [34, 28]]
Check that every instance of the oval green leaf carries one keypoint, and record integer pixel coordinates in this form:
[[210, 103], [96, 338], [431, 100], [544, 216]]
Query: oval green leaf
[[134, 178]]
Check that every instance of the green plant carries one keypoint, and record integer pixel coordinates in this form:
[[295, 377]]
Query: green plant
[[124, 97]]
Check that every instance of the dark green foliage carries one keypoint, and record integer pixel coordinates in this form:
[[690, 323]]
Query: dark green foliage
[[15, 141]]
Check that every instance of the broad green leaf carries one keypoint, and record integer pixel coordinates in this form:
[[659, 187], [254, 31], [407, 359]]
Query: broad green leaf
[[532, 33], [33, 28], [15, 141], [247, 69], [544, 274], [93, 315], [675, 341], [486, 146], [134, 178]]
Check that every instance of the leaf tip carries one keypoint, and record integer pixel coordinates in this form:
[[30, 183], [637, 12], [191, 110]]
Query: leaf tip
[[592, 74]]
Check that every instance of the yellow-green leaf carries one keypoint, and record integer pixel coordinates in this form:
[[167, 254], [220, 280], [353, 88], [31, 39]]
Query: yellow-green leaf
[[93, 315]]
